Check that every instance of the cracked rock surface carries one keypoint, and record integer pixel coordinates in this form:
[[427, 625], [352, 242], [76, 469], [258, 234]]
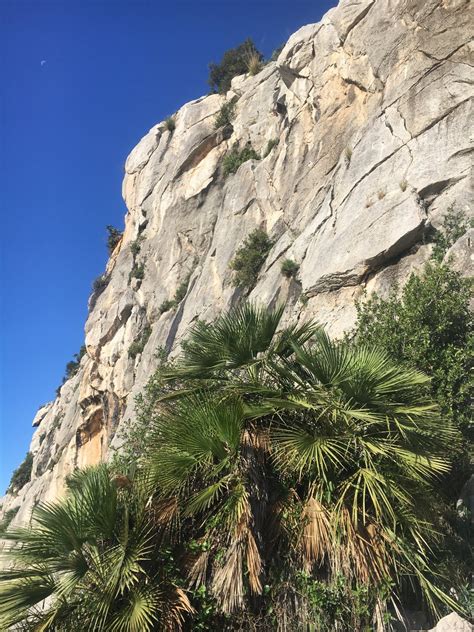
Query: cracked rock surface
[[371, 110]]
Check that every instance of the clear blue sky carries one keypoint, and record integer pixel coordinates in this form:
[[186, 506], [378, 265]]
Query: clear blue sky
[[112, 70]]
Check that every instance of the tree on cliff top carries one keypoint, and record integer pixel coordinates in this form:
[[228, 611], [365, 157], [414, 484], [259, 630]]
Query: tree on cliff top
[[235, 61]]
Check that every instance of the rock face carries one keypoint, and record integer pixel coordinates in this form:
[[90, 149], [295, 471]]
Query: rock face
[[371, 110], [452, 623]]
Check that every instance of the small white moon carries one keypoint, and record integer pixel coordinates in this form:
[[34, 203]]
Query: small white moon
[[43, 61]]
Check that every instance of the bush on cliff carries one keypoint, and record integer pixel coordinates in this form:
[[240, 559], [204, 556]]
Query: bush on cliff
[[22, 475], [250, 257], [235, 61], [283, 477], [113, 238], [235, 158]]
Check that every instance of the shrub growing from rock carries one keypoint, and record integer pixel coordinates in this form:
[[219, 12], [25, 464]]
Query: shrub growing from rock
[[273, 142], [166, 306], [22, 475], [250, 257], [225, 114], [113, 238], [455, 225], [138, 345], [170, 124], [138, 271], [99, 284], [235, 61], [7, 518], [135, 246], [235, 158], [289, 268]]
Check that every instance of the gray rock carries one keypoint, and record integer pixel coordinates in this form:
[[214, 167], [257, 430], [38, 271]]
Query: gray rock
[[452, 623]]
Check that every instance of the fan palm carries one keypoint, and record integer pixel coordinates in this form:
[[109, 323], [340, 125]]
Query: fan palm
[[87, 561], [283, 443]]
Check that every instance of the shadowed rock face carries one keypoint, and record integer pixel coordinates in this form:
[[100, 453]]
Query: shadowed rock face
[[370, 108]]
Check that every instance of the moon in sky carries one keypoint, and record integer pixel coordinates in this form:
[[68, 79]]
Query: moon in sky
[[43, 61]]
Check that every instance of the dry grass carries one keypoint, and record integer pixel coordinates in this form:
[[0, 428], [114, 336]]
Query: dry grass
[[381, 194], [254, 65], [403, 184]]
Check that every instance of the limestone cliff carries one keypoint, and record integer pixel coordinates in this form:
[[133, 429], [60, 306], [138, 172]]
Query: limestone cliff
[[371, 110]]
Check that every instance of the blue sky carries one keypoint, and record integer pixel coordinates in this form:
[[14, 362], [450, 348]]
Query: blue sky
[[112, 70]]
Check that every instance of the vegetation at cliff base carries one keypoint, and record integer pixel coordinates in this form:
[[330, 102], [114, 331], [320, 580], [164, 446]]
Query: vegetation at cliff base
[[235, 61], [277, 480], [250, 257]]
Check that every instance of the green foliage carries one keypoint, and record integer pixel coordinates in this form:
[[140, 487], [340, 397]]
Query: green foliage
[[170, 124], [341, 441], [99, 284], [137, 272], [113, 238], [455, 225], [235, 158], [235, 61], [135, 246], [7, 518], [226, 113], [72, 367], [289, 268], [273, 142], [179, 294], [338, 605], [250, 257], [181, 290], [92, 561], [166, 306], [428, 325], [138, 345], [22, 475]]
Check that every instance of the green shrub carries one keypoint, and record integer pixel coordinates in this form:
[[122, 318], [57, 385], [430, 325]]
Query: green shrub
[[225, 114], [181, 290], [235, 61], [7, 518], [250, 257], [170, 124], [138, 345], [72, 367], [135, 246], [273, 142], [429, 326], [56, 423], [289, 268], [113, 238], [235, 158], [179, 294], [137, 272], [166, 306], [22, 475], [455, 225], [99, 284]]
